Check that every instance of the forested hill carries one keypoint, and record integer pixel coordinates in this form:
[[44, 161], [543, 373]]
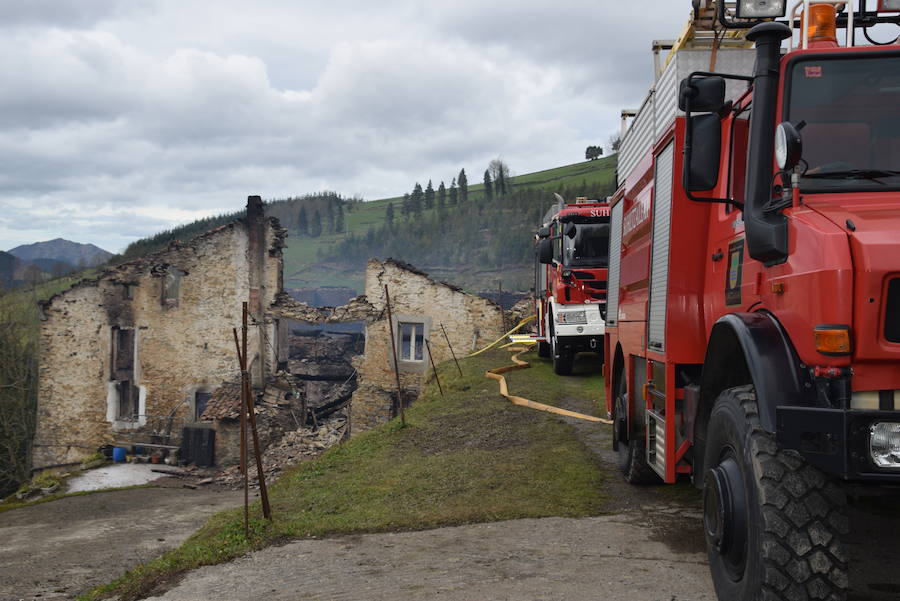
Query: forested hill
[[477, 236]]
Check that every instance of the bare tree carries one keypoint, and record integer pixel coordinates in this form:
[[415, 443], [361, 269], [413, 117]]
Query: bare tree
[[18, 398], [499, 172], [615, 140]]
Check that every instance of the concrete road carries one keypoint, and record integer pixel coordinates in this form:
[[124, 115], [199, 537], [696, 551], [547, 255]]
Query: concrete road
[[614, 558], [58, 549]]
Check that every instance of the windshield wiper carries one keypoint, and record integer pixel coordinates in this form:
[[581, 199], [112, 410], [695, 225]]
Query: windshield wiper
[[870, 174]]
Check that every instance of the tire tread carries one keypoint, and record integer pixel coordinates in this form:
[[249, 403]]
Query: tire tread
[[804, 515]]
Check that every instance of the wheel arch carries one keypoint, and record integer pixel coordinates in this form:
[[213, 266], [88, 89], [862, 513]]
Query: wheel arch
[[749, 348]]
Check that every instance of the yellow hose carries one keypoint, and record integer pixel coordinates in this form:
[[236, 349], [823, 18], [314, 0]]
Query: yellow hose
[[496, 374], [499, 340]]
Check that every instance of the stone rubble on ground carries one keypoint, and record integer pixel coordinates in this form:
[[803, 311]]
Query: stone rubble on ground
[[294, 447]]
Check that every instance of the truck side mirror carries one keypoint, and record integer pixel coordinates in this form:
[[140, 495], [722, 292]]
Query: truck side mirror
[[705, 94], [545, 251], [702, 171], [544, 232], [571, 230]]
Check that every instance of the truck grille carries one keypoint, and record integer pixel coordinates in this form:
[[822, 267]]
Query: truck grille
[[892, 312]]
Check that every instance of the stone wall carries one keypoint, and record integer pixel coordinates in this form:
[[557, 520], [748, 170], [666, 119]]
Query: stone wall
[[470, 322], [182, 345]]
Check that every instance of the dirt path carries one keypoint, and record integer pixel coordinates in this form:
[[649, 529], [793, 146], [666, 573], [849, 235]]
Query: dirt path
[[58, 549]]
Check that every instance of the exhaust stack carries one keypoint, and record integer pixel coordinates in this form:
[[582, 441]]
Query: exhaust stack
[[766, 232]]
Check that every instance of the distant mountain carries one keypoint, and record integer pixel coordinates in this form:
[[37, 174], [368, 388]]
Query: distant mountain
[[8, 265], [73, 253]]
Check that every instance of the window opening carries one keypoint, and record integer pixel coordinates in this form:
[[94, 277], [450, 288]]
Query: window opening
[[123, 363], [201, 399], [412, 341], [172, 286]]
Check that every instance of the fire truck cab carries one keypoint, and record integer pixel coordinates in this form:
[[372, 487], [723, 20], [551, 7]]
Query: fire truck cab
[[571, 260], [753, 326]]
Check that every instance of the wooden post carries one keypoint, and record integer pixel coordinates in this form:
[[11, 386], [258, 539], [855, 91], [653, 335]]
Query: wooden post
[[450, 346], [437, 379], [387, 299]]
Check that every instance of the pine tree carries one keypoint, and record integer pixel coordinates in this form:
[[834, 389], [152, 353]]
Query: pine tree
[[429, 196], [416, 198], [488, 186], [329, 214], [339, 218], [315, 229], [441, 196], [302, 223], [406, 206], [389, 214], [463, 183], [454, 193]]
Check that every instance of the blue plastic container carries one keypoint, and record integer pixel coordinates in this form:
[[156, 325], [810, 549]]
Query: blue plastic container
[[119, 455]]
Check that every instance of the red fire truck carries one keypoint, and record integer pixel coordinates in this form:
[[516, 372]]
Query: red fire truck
[[753, 326], [571, 257]]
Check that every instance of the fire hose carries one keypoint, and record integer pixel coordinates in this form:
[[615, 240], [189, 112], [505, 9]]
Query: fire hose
[[496, 374]]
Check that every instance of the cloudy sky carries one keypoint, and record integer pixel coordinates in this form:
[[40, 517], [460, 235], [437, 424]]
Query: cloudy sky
[[119, 118]]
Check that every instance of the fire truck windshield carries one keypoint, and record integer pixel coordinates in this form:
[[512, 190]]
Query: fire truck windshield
[[851, 108], [589, 247]]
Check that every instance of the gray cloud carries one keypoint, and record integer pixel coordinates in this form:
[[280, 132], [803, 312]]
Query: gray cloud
[[61, 13], [117, 122]]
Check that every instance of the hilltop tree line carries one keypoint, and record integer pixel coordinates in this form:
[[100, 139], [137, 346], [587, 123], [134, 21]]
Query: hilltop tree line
[[488, 228]]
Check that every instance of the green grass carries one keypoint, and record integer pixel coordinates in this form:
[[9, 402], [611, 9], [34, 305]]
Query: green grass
[[469, 456], [539, 383]]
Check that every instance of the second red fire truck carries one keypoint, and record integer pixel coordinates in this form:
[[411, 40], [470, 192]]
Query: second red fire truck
[[571, 260]]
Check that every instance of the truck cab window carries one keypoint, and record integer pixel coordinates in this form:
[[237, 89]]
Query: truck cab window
[[851, 110], [589, 247]]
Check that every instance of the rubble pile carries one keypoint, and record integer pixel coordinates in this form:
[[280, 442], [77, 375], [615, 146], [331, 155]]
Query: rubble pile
[[294, 447]]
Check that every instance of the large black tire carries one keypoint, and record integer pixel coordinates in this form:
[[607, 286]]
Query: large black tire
[[773, 523], [543, 349], [628, 442], [562, 361]]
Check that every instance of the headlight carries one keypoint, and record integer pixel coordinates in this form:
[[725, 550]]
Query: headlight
[[570, 317], [884, 444]]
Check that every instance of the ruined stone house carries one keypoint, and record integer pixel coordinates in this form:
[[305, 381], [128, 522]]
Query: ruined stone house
[[140, 348], [419, 307]]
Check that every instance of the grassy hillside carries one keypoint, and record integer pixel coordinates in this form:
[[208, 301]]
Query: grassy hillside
[[310, 262], [478, 246]]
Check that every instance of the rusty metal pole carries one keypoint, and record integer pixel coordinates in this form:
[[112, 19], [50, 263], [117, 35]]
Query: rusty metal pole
[[437, 379], [247, 410], [450, 346], [387, 299]]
